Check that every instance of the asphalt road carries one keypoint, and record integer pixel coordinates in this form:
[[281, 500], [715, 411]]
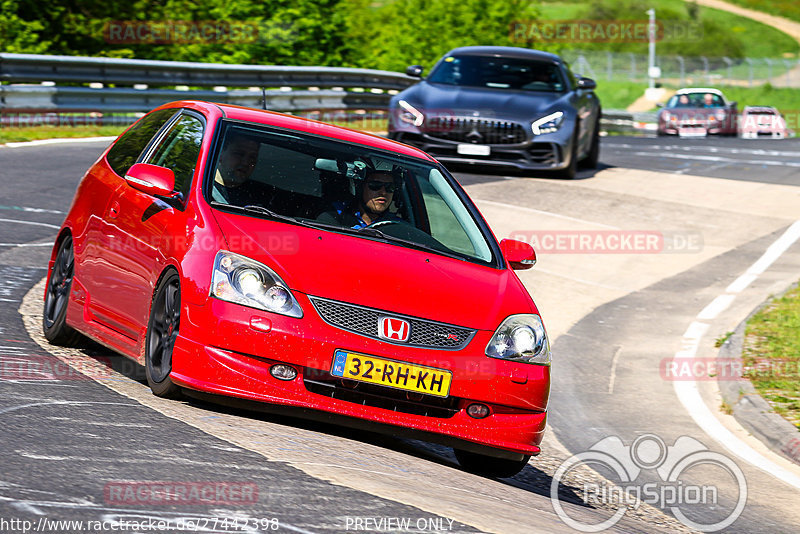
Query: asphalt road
[[72, 444]]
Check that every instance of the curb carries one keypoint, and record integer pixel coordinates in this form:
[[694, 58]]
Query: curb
[[749, 408]]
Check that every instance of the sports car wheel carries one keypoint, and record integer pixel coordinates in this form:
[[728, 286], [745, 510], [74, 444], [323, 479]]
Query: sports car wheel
[[54, 315], [570, 172], [593, 157], [488, 465], [162, 331]]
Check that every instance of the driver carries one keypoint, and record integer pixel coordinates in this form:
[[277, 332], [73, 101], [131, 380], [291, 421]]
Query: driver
[[373, 197]]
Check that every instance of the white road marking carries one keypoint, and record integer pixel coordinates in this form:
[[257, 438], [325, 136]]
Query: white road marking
[[716, 306], [698, 157], [547, 213], [32, 223], [741, 283], [714, 149], [55, 403], [26, 244], [687, 390], [613, 375], [30, 209]]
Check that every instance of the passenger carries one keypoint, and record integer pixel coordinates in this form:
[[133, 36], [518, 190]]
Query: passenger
[[374, 195], [232, 183]]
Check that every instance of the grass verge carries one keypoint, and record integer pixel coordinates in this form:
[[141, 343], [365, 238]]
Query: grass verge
[[772, 354], [32, 133]]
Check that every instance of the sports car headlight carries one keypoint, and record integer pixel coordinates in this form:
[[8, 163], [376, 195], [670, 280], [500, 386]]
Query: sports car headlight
[[521, 338], [244, 281], [410, 114], [720, 115], [548, 123]]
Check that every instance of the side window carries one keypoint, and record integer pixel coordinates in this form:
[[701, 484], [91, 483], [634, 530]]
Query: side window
[[179, 149], [127, 149]]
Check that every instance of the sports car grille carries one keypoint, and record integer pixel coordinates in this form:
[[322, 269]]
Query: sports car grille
[[364, 321], [476, 130]]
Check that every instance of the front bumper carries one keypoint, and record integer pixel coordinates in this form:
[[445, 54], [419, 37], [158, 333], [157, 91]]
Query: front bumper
[[223, 349], [552, 154]]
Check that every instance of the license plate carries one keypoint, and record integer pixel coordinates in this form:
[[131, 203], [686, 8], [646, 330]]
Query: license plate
[[391, 373], [692, 132], [474, 150]]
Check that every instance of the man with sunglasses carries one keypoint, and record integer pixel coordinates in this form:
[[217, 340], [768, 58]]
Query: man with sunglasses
[[373, 197]]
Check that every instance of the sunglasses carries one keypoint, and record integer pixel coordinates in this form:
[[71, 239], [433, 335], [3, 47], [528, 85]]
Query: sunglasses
[[375, 185]]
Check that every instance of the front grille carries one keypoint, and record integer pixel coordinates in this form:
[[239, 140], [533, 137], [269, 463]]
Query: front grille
[[364, 321], [476, 130], [323, 383]]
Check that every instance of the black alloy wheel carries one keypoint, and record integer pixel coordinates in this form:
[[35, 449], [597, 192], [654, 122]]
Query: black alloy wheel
[[54, 314], [162, 331]]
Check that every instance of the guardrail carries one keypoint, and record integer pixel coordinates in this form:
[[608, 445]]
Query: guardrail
[[27, 68], [141, 85]]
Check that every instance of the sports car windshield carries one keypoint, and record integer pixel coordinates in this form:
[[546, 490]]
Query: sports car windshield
[[344, 187], [696, 100], [499, 73]]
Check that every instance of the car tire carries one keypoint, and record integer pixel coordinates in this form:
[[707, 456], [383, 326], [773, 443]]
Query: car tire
[[593, 157], [572, 169], [56, 298], [162, 331], [489, 466]]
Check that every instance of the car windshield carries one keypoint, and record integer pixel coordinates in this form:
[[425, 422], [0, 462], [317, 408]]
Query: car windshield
[[696, 100], [344, 187], [499, 73]]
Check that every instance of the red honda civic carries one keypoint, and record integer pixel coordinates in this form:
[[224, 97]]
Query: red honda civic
[[313, 269]]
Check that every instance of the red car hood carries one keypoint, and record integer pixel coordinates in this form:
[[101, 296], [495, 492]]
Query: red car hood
[[379, 275]]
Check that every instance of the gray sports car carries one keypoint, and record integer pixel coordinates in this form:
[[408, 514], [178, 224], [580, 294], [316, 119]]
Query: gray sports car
[[501, 106]]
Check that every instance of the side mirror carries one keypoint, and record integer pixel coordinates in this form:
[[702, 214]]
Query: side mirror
[[151, 179], [586, 83], [415, 71], [733, 104], [518, 254]]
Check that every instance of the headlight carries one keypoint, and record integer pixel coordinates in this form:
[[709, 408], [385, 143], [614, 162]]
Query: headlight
[[547, 124], [244, 281], [720, 115], [521, 338], [410, 114]]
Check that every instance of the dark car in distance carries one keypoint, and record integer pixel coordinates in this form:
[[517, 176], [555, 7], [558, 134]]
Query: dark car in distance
[[503, 107]]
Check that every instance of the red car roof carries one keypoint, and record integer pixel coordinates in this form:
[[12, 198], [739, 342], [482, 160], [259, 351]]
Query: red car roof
[[292, 122]]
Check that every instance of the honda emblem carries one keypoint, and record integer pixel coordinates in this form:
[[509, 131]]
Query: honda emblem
[[393, 329]]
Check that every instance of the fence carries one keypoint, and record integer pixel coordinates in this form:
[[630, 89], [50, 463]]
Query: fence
[[682, 71]]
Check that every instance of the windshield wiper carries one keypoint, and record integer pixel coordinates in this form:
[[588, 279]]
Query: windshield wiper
[[407, 242], [261, 210]]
